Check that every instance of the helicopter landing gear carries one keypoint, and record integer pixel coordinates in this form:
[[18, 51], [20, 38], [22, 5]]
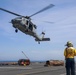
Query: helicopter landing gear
[[38, 42], [16, 30]]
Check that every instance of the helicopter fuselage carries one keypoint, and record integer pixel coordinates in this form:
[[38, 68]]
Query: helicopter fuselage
[[27, 27]]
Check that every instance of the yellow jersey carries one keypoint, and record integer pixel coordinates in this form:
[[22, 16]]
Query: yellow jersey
[[70, 52]]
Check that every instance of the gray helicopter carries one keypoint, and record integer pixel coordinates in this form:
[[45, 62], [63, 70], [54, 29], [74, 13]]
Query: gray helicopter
[[24, 24]]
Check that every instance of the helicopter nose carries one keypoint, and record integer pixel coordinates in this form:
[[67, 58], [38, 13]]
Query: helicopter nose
[[13, 21]]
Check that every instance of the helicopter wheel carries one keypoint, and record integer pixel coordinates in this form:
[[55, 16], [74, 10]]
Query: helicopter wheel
[[38, 42], [16, 30]]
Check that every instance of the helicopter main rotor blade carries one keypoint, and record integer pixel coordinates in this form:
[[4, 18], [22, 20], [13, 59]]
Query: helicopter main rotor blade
[[10, 12], [47, 7], [48, 22]]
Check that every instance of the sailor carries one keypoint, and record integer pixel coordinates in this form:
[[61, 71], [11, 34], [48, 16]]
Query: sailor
[[69, 54]]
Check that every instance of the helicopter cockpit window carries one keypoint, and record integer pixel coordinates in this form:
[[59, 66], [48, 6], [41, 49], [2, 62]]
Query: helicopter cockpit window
[[18, 18]]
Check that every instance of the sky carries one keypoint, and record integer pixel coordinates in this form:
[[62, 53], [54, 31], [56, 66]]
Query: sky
[[63, 29]]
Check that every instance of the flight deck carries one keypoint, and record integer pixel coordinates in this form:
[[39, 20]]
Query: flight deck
[[35, 68]]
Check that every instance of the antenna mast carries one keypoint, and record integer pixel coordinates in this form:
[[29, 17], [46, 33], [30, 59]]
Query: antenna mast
[[25, 55]]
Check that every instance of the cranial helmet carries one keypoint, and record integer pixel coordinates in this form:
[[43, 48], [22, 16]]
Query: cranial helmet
[[69, 44]]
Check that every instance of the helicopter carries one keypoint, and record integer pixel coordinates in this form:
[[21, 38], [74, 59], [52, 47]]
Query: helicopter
[[25, 25]]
